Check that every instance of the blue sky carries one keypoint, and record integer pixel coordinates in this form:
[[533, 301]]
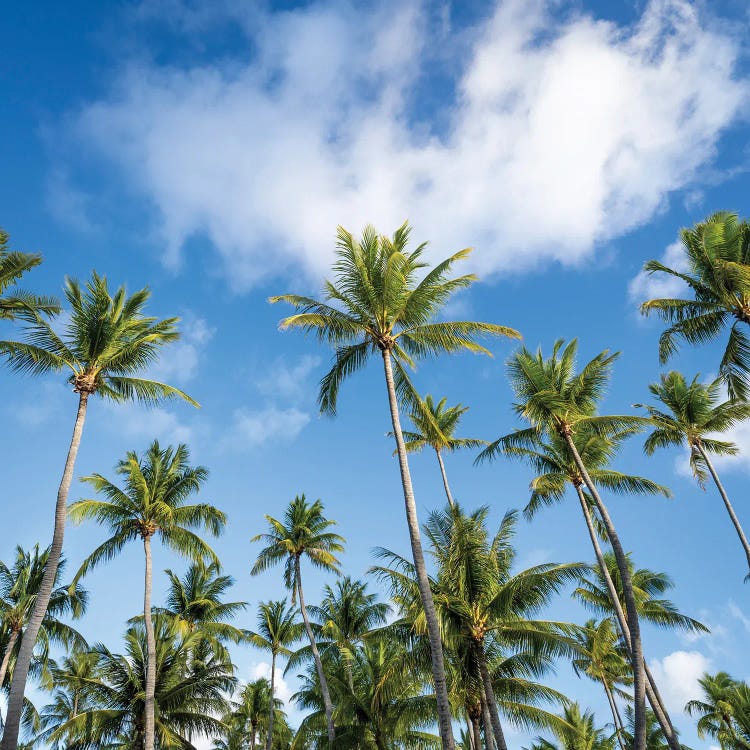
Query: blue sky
[[210, 152]]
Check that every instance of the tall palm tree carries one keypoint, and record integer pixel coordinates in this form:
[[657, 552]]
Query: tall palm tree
[[435, 426], [483, 606], [189, 695], [152, 504], [577, 732], [723, 711], [252, 712], [107, 342], [602, 658], [694, 412], [13, 265], [346, 614], [19, 587], [277, 630], [303, 532], [717, 252], [555, 400], [557, 470], [378, 304]]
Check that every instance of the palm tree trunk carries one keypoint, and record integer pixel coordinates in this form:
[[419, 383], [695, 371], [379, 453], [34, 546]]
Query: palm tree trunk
[[489, 741], [475, 731], [316, 655], [615, 715], [253, 732], [730, 509], [28, 641], [636, 649], [490, 700], [148, 739], [270, 711], [652, 693], [6, 656], [423, 582], [445, 478]]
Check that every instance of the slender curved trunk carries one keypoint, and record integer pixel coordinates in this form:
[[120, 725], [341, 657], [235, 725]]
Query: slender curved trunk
[[253, 732], [730, 509], [636, 649], [475, 732], [269, 739], [148, 739], [445, 478], [316, 655], [28, 641], [652, 693], [6, 656], [491, 701], [423, 581], [616, 718]]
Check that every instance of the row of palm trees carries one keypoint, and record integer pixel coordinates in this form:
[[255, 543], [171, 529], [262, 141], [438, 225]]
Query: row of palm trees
[[384, 299]]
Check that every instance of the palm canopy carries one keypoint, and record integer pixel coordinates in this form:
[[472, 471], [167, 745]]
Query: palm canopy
[[106, 342], [649, 587], [550, 456], [304, 530], [723, 711], [717, 254], [435, 425], [693, 413], [577, 731], [601, 655], [277, 627], [195, 602], [381, 301], [13, 265], [151, 503]]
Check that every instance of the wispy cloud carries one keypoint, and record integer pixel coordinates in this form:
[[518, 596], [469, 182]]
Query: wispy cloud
[[253, 427], [647, 286], [562, 132]]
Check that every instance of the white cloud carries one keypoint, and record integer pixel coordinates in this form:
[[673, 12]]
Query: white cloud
[[155, 423], [561, 133], [255, 427], [677, 676], [288, 381], [652, 286]]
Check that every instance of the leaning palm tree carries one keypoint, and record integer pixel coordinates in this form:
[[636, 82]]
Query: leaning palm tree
[[557, 401], [13, 265], [152, 504], [378, 304], [557, 471], [694, 412], [277, 630], [434, 427], [107, 342], [19, 587], [717, 253], [304, 531]]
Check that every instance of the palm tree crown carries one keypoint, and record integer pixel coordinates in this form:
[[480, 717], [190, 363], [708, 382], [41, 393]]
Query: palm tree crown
[[377, 302], [717, 252]]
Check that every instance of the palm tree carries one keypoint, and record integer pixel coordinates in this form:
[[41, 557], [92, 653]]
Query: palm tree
[[195, 603], [484, 608], [693, 413], [304, 531], [655, 739], [387, 708], [555, 400], [602, 658], [557, 470], [577, 732], [724, 711], [19, 587], [106, 343], [378, 304], [717, 252], [252, 713], [346, 614], [13, 265], [277, 629], [153, 503], [189, 695], [434, 426]]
